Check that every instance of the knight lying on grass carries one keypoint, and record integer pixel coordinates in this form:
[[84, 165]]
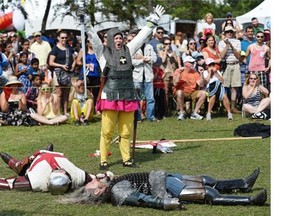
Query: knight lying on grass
[[162, 190]]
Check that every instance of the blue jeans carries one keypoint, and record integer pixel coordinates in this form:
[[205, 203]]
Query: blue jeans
[[148, 90]]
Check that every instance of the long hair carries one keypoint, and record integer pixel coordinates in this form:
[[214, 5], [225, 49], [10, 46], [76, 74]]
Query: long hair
[[84, 196]]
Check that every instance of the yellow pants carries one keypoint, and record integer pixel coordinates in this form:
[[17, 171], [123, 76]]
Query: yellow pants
[[83, 110], [125, 123]]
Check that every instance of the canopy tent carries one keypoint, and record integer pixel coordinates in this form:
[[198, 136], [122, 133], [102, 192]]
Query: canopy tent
[[262, 12]]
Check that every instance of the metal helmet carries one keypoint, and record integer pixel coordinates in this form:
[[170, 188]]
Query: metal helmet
[[59, 182]]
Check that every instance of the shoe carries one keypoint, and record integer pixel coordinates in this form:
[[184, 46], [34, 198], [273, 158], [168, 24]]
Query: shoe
[[5, 157], [196, 116], [77, 123], [154, 120], [208, 116], [259, 199], [259, 115], [129, 164], [85, 122], [103, 166], [229, 116], [49, 147], [181, 116], [236, 111], [250, 180]]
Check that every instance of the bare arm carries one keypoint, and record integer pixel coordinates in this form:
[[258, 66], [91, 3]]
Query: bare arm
[[22, 102]]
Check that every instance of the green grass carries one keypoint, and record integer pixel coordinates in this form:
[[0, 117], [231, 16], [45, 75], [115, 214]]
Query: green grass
[[219, 159]]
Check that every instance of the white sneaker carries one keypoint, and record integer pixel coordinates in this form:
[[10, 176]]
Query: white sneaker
[[208, 116], [181, 116], [196, 116], [230, 117]]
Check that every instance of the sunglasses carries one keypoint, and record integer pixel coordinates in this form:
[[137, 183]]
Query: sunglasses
[[45, 89], [63, 38], [231, 32], [160, 32], [259, 36], [211, 65], [251, 78], [167, 43], [192, 43], [37, 36]]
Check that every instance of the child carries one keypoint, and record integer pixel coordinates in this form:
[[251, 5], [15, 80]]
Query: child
[[81, 107], [244, 74], [35, 70], [209, 27], [32, 92], [21, 72]]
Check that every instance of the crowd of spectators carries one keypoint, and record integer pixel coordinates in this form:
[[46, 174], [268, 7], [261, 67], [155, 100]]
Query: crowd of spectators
[[162, 69]]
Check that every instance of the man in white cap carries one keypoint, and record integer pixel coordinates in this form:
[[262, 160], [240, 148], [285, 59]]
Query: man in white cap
[[41, 49], [186, 86]]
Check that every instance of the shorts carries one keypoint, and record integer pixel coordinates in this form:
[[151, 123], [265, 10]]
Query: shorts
[[232, 76]]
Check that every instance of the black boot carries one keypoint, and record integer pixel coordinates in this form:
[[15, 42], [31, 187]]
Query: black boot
[[17, 166], [5, 157], [250, 180], [213, 197], [227, 186], [260, 198], [49, 147]]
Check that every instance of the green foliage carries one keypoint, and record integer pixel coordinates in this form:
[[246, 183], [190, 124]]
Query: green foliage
[[128, 10], [219, 159]]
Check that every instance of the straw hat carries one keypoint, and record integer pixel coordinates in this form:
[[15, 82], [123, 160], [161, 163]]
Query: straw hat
[[13, 80]]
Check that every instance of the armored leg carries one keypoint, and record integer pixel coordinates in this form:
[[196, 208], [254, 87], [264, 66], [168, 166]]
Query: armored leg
[[143, 200], [213, 197], [224, 186], [19, 167], [19, 183]]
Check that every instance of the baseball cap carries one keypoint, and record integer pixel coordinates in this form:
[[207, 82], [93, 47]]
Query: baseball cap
[[189, 59], [242, 53], [207, 31], [37, 34], [209, 61], [197, 54], [229, 28], [228, 14]]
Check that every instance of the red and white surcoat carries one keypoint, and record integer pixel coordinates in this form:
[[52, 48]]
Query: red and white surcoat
[[43, 164]]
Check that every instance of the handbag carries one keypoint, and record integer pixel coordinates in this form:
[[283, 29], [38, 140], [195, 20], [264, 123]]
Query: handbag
[[63, 77]]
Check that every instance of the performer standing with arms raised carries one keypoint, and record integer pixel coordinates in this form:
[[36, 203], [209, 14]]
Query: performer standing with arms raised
[[118, 101]]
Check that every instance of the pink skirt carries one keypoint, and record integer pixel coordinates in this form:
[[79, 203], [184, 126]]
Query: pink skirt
[[118, 105]]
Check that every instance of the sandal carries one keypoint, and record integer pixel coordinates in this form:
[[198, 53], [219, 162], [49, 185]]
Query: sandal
[[103, 166], [129, 163]]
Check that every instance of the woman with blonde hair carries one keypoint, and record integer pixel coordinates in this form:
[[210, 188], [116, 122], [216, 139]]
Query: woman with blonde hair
[[255, 97], [48, 107]]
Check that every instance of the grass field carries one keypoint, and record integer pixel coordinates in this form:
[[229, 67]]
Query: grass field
[[219, 159]]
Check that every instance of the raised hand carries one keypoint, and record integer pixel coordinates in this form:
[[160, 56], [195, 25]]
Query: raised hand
[[156, 15]]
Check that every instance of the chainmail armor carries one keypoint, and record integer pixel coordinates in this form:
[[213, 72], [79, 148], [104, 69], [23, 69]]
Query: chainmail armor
[[139, 181], [119, 83], [157, 182]]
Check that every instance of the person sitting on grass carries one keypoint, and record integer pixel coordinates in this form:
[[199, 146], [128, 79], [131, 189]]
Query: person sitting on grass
[[255, 97], [82, 108], [48, 107], [168, 191]]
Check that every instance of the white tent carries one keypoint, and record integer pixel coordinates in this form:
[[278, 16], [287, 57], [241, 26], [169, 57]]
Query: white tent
[[262, 12]]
